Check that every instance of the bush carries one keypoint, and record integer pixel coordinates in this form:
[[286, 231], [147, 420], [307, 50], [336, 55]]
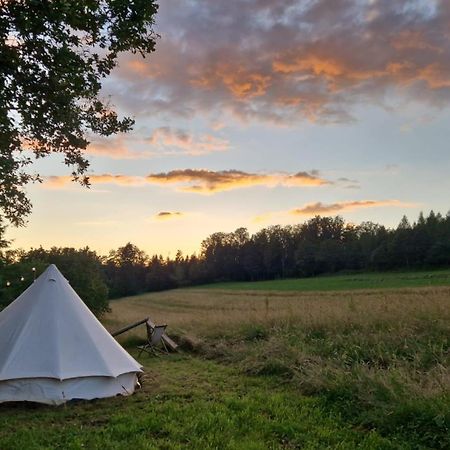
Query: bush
[[82, 268]]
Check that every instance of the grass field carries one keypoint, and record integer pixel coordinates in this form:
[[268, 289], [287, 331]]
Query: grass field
[[377, 359], [269, 369], [186, 403], [378, 280]]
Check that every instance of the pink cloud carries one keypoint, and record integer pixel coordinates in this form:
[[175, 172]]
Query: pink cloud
[[163, 141], [188, 143]]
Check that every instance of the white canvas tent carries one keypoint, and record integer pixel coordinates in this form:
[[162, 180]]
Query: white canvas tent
[[53, 349]]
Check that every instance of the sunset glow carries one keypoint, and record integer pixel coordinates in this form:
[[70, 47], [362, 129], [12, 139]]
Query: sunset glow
[[255, 113]]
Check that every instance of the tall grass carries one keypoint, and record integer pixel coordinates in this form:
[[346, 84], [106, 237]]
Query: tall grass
[[378, 358], [206, 313]]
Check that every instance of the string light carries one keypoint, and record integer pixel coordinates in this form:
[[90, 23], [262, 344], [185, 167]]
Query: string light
[[22, 278]]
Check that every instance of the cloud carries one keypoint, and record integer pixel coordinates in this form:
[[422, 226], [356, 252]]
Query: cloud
[[323, 209], [320, 208], [392, 169], [167, 137], [289, 61], [202, 181], [167, 215], [163, 141], [304, 179], [118, 147], [57, 182], [348, 183]]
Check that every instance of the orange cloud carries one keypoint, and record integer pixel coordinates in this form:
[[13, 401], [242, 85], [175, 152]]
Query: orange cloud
[[57, 182], [239, 81], [436, 75], [305, 179], [320, 208], [202, 181], [323, 209], [314, 65]]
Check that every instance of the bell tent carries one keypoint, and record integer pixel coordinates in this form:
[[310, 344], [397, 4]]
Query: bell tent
[[53, 349]]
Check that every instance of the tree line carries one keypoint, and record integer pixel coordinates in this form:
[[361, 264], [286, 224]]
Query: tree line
[[321, 245]]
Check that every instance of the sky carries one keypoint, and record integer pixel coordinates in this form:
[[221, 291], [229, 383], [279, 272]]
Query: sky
[[253, 113]]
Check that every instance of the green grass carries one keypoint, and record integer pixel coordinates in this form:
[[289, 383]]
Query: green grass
[[188, 403], [380, 280], [368, 369], [375, 360], [393, 378]]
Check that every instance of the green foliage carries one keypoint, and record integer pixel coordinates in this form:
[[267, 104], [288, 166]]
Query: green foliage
[[53, 58], [325, 245], [125, 270], [15, 277], [82, 268], [279, 255], [3, 242]]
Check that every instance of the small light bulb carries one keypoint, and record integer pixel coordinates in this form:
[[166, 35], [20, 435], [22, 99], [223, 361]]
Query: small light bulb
[[22, 278], [8, 283]]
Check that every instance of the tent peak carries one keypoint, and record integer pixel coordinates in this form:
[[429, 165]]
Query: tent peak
[[52, 273]]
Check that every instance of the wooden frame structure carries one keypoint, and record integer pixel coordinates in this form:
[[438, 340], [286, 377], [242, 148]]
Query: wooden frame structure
[[167, 342]]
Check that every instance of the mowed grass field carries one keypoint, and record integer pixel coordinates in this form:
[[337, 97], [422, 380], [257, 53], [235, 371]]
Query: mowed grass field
[[186, 403], [378, 280], [269, 369]]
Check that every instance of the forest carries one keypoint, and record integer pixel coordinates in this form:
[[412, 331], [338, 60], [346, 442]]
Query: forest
[[321, 245]]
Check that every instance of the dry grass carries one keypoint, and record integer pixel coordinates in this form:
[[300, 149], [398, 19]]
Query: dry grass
[[202, 313], [380, 358]]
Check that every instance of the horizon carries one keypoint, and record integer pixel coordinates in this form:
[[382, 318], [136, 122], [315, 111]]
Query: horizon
[[197, 252]]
